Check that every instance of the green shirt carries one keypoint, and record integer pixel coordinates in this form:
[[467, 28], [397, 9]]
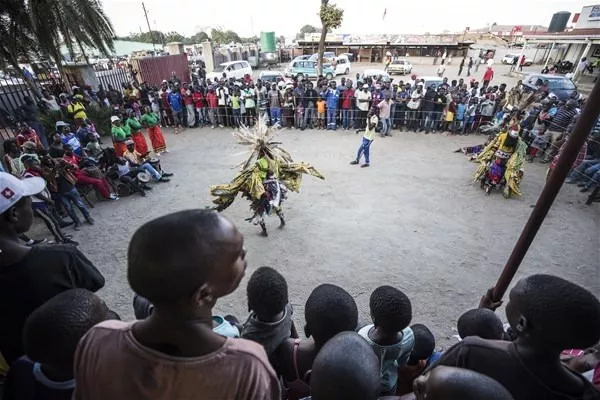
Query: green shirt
[[235, 102], [150, 119], [119, 133], [134, 124]]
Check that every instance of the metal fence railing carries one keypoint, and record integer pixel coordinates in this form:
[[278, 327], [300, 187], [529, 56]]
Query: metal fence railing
[[114, 78]]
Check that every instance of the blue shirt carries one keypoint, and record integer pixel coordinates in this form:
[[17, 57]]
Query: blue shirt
[[460, 111], [175, 101], [333, 96], [72, 140], [392, 356]]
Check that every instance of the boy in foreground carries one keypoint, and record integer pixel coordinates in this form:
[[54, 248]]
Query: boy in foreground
[[182, 263]]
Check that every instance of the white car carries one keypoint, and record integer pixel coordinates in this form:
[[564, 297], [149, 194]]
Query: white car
[[232, 69], [342, 65], [399, 66], [375, 73], [509, 58]]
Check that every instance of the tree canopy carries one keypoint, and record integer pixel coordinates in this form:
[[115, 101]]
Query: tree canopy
[[307, 29]]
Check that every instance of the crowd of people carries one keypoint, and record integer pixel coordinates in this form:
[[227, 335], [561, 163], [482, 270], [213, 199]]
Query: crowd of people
[[61, 341]]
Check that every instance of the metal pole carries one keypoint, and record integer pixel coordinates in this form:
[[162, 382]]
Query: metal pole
[[149, 29], [549, 53], [553, 184]]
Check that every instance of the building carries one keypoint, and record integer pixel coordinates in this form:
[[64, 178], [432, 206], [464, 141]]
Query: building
[[373, 48], [581, 41], [511, 33]]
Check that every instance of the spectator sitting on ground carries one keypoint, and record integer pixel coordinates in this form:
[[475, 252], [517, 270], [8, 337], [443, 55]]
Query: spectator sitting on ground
[[270, 320], [140, 161], [342, 374], [480, 322], [418, 360], [389, 335], [50, 337], [548, 315], [329, 310], [448, 383], [182, 263]]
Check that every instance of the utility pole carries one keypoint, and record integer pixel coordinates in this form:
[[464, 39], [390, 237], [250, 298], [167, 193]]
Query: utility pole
[[149, 29]]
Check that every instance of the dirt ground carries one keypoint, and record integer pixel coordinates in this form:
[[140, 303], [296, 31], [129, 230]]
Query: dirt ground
[[413, 220]]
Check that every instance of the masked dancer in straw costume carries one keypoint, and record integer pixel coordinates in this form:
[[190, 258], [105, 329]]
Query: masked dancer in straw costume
[[265, 177]]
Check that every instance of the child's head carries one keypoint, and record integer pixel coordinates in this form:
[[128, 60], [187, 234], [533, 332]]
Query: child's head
[[52, 332], [390, 309], [424, 343], [340, 374], [554, 314], [442, 383], [329, 310], [185, 261], [480, 322], [267, 292]]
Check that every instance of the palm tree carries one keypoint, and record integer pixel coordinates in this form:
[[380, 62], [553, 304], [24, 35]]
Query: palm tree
[[80, 22]]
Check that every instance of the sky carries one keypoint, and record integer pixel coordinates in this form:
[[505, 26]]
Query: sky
[[286, 17]]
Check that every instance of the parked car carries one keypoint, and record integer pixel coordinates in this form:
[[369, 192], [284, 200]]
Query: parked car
[[401, 67], [232, 69], [430, 80], [561, 87], [272, 77], [308, 69], [375, 73], [510, 59], [342, 65], [328, 56], [349, 55]]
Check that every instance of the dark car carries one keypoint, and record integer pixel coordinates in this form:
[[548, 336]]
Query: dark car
[[563, 88]]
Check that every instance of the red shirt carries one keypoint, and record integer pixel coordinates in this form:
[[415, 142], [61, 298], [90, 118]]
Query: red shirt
[[72, 159], [488, 75], [212, 100], [198, 99], [187, 98], [347, 96]]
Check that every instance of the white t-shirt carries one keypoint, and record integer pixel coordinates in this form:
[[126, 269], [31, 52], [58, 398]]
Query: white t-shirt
[[363, 105], [51, 103]]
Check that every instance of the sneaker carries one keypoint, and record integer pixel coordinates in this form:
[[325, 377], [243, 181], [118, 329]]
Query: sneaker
[[353, 162], [90, 221], [167, 174], [365, 165], [146, 187], [113, 196], [33, 242], [164, 180], [143, 194], [64, 224], [70, 241], [77, 227]]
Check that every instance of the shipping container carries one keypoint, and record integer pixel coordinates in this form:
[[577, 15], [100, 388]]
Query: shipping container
[[154, 70]]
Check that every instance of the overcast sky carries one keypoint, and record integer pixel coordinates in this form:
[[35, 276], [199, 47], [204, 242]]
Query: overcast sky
[[286, 17]]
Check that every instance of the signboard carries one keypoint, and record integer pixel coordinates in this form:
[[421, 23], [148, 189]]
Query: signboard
[[594, 12]]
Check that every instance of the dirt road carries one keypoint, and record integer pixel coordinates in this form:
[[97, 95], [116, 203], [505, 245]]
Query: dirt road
[[413, 220]]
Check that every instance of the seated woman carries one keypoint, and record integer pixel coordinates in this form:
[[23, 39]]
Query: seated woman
[[88, 176], [140, 160]]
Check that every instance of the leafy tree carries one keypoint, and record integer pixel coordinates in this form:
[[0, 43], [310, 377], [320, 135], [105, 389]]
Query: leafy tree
[[146, 37], [307, 29], [174, 37], [331, 18], [198, 38], [222, 37]]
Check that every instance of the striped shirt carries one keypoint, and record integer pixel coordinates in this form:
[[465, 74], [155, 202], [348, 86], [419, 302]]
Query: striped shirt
[[562, 119]]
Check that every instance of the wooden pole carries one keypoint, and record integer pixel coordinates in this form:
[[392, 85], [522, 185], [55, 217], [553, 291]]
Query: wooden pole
[[578, 136]]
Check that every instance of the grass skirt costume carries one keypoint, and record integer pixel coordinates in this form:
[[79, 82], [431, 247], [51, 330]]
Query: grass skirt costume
[[513, 171], [265, 177]]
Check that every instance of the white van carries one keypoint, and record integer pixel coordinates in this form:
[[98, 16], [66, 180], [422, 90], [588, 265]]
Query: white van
[[232, 69], [342, 65]]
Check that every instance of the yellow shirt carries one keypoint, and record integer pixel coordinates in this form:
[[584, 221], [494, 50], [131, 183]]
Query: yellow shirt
[[77, 110], [133, 157], [370, 133]]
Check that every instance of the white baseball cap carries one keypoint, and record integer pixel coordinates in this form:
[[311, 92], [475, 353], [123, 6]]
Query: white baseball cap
[[13, 189], [114, 118]]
